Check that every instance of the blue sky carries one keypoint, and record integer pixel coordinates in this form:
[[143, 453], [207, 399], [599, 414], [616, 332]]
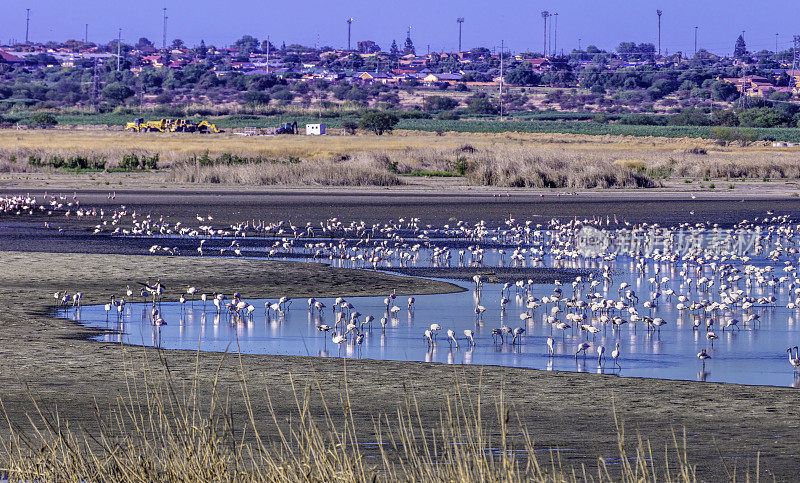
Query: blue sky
[[519, 23]]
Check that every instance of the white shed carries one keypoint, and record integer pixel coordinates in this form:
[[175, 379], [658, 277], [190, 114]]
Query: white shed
[[315, 129]]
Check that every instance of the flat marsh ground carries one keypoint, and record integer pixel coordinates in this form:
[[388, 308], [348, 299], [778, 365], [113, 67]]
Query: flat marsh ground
[[404, 159], [323, 147]]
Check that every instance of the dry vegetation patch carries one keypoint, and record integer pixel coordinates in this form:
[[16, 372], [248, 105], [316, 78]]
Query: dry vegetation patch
[[504, 160]]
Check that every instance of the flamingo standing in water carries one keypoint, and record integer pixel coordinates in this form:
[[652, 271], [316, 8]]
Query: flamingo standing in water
[[703, 355], [601, 353], [615, 354], [470, 334], [451, 337], [794, 361], [582, 347]]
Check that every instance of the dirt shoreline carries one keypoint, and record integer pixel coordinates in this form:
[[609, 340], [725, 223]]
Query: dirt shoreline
[[492, 274], [436, 206]]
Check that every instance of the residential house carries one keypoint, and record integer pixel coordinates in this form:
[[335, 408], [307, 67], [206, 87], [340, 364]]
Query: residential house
[[539, 65], [438, 78], [6, 58], [373, 77]]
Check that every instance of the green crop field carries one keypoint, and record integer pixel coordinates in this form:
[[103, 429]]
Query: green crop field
[[485, 125]]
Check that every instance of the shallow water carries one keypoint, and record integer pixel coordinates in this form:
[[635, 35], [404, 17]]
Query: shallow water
[[753, 354]]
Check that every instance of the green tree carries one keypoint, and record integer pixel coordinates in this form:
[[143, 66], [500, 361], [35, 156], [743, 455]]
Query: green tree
[[740, 50], [247, 43], [725, 117], [350, 127], [522, 77], [354, 61], [440, 103], [481, 104], [201, 51], [724, 91], [368, 47], [143, 42], [394, 50], [409, 46], [661, 88], [117, 93], [378, 122]]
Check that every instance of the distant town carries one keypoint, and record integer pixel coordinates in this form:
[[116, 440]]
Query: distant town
[[635, 82]]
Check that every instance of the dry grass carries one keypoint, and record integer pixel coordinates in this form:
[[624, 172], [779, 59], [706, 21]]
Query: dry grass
[[507, 160], [327, 172], [162, 430]]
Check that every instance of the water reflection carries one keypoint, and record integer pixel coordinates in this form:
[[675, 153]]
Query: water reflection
[[752, 351]]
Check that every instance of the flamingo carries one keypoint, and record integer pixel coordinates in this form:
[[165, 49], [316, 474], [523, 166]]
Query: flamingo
[[550, 346], [794, 361], [428, 334], [190, 291], [495, 333], [470, 334], [710, 335], [451, 336], [601, 352], [582, 347], [703, 355], [615, 354], [435, 328], [338, 339], [517, 333]]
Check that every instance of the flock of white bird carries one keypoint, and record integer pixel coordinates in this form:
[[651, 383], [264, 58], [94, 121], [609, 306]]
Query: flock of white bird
[[719, 289]]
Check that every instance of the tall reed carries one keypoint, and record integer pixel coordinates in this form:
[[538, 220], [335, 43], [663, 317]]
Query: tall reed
[[164, 430]]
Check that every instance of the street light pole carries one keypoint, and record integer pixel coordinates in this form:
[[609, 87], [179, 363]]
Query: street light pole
[[545, 14], [27, 23], [460, 21], [658, 12], [502, 48], [349, 23]]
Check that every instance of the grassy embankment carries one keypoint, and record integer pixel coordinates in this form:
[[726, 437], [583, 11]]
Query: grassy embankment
[[509, 160]]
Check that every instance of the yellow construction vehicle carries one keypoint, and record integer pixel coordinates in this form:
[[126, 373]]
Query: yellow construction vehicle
[[171, 125], [139, 125], [205, 126]]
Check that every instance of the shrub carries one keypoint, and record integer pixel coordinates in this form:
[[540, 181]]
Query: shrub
[[481, 104], [43, 120], [763, 117], [440, 103], [727, 135], [350, 127], [256, 98], [448, 116]]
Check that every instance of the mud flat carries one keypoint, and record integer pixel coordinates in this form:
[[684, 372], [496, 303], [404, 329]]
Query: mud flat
[[436, 205], [493, 274]]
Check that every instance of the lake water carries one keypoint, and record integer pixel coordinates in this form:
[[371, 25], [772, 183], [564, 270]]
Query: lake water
[[753, 354]]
